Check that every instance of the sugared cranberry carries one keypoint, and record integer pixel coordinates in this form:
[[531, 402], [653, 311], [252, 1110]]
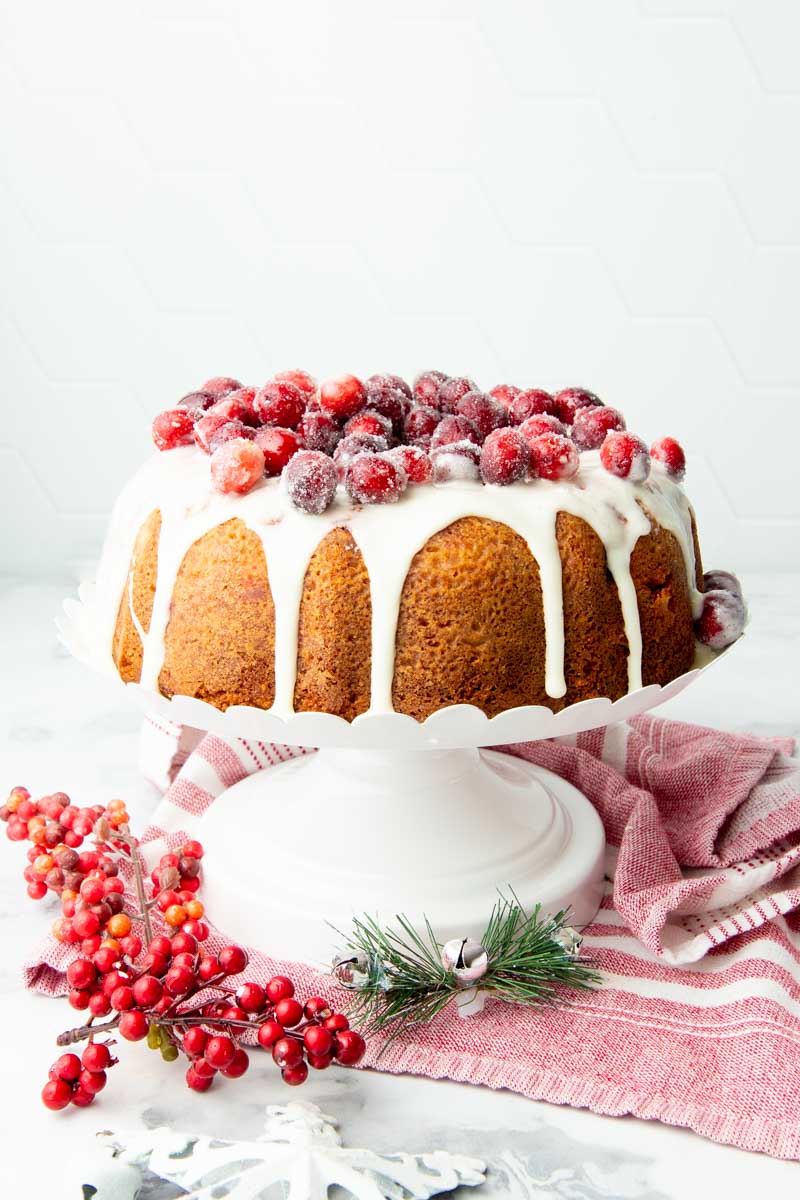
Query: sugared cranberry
[[451, 391], [456, 462], [319, 431], [592, 424], [484, 412], [173, 428], [505, 457], [342, 397], [722, 620], [384, 396], [279, 402], [197, 402], [553, 457], [570, 401], [504, 394], [306, 383], [723, 581], [420, 422], [414, 461], [373, 423], [455, 429], [426, 387], [278, 446], [670, 454], [237, 466], [220, 385], [310, 478], [373, 479], [229, 431], [217, 416], [626, 456], [542, 423], [353, 444], [530, 403], [243, 398]]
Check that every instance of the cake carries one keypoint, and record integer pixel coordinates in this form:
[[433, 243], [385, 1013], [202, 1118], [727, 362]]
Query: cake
[[368, 547]]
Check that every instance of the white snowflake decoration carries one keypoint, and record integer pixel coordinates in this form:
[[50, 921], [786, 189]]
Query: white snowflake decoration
[[300, 1146]]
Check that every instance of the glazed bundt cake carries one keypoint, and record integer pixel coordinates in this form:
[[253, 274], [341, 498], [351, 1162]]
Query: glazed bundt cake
[[369, 547]]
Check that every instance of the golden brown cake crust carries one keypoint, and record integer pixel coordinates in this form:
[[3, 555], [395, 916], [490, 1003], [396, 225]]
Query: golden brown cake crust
[[127, 649]]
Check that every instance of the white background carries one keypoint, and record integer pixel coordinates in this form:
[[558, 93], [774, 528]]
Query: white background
[[546, 193]]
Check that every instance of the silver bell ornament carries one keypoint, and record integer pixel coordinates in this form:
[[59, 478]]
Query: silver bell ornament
[[569, 940], [351, 969], [468, 961]]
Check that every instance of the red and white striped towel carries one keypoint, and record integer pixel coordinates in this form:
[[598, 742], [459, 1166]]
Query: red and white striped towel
[[697, 1021]]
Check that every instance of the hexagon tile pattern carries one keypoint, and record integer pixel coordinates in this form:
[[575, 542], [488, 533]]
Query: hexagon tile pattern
[[588, 193]]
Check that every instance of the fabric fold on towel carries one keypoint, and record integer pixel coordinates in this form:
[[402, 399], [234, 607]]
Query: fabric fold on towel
[[697, 1019]]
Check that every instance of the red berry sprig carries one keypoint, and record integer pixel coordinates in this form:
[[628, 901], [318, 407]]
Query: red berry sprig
[[165, 987]]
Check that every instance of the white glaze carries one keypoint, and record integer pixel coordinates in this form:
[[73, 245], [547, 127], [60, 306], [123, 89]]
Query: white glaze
[[177, 482]]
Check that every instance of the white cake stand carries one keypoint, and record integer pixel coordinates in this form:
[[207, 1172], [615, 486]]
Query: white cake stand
[[392, 816]]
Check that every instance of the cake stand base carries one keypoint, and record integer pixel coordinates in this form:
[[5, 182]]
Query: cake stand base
[[321, 838]]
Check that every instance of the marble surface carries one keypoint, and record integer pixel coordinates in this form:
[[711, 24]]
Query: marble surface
[[61, 728]]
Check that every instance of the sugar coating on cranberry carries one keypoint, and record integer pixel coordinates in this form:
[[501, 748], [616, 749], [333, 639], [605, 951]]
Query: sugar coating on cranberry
[[722, 620], [414, 461], [626, 456], [237, 466], [173, 428], [278, 446], [306, 383], [504, 393], [373, 423], [505, 457], [220, 385], [484, 412], [243, 397], [384, 396], [456, 462], [553, 457], [451, 391], [592, 424], [722, 580], [375, 479], [670, 454], [310, 479], [420, 422], [356, 443], [568, 402], [455, 429], [342, 397], [319, 431], [530, 403], [279, 402], [229, 431], [426, 387], [534, 427], [197, 402]]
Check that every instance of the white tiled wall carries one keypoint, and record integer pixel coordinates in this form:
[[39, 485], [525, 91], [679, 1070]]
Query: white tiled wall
[[546, 192]]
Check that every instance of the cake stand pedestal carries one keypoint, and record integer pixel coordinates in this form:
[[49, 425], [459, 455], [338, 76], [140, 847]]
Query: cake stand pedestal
[[429, 833]]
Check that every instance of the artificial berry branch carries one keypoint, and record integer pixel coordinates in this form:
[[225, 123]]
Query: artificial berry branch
[[166, 988]]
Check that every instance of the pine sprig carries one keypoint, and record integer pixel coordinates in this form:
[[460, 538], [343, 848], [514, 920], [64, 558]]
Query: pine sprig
[[398, 978]]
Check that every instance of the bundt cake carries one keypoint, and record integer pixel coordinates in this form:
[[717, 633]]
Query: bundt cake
[[368, 547]]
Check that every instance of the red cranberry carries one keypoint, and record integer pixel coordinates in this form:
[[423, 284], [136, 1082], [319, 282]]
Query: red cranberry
[[670, 454], [530, 403], [278, 988], [197, 402], [387, 398], [228, 432], [456, 461], [278, 446], [372, 423], [372, 479], [504, 394], [306, 383], [592, 424], [173, 428], [722, 581], [414, 461], [96, 1057], [56, 1094], [242, 400], [626, 456], [251, 997], [319, 431], [269, 1033], [349, 1047], [237, 1066], [484, 412], [454, 429], [220, 385], [553, 457], [295, 1076], [198, 1083], [543, 423], [133, 1025], [67, 1067], [505, 457], [194, 1041], [310, 478], [722, 620], [232, 960], [237, 466], [451, 391], [147, 991], [342, 397], [289, 1012], [219, 1052], [279, 403], [317, 1040], [177, 981], [287, 1052], [92, 1081], [81, 973], [209, 424], [426, 388], [353, 444], [569, 401], [420, 422]]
